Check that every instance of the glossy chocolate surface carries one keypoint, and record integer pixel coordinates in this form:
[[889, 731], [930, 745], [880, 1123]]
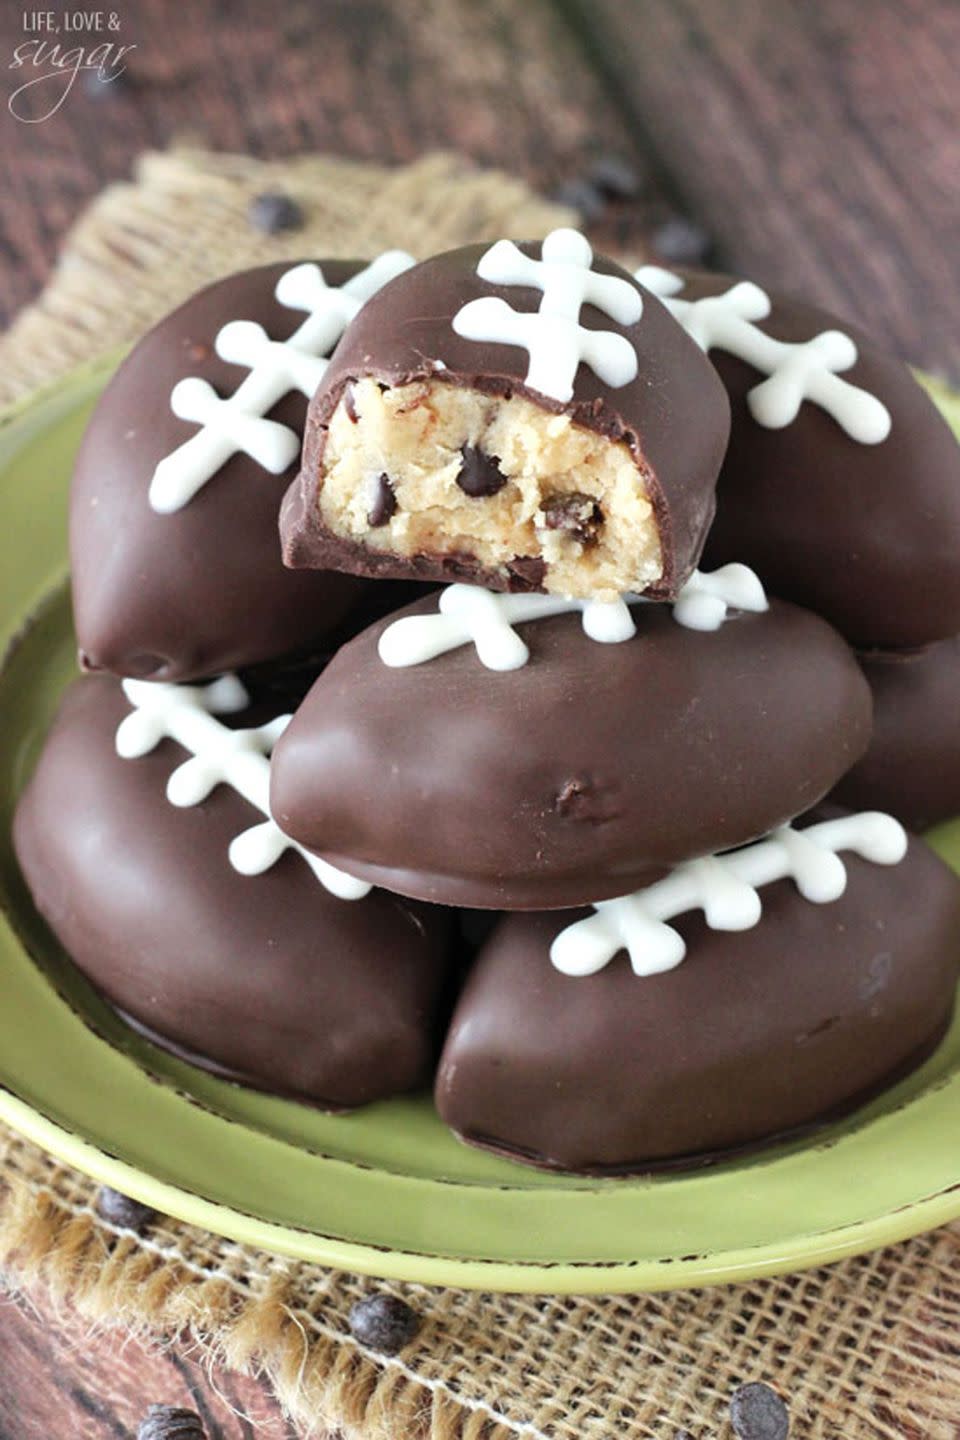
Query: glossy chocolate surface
[[912, 767], [755, 1034], [267, 978], [866, 535], [578, 776], [202, 590]]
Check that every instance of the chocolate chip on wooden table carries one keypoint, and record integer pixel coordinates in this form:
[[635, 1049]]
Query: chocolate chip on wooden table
[[581, 195], [614, 175], [680, 241], [169, 1422], [123, 1212], [577, 514], [480, 475], [383, 502], [384, 1323], [274, 212], [758, 1413]]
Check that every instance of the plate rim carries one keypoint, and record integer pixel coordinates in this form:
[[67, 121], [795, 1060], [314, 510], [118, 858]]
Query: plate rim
[[584, 1277]]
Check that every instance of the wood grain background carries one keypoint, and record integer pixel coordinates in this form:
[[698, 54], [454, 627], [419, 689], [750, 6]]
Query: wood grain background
[[814, 143]]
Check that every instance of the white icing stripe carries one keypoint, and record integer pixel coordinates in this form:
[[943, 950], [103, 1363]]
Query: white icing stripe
[[724, 887], [796, 372], [238, 422], [220, 756], [470, 615], [552, 335]]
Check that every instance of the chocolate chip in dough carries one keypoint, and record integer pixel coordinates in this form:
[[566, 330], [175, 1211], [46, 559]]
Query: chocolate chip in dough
[[383, 502], [480, 475], [576, 514]]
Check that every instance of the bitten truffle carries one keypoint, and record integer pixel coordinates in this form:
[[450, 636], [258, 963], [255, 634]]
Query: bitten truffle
[[524, 417]]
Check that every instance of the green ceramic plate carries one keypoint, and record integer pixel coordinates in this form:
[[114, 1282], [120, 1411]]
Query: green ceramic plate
[[387, 1191]]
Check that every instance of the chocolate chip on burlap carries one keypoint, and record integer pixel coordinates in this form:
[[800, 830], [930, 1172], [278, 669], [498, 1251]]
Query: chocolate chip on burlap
[[122, 1211], [274, 213], [758, 1413], [384, 1323]]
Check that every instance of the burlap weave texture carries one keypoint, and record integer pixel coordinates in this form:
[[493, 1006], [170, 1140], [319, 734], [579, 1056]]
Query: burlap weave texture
[[866, 1350]]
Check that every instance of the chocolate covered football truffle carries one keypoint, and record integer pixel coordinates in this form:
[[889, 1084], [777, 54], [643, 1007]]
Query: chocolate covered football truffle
[[196, 923], [841, 484], [912, 766], [524, 417], [576, 775], [760, 1031], [176, 563]]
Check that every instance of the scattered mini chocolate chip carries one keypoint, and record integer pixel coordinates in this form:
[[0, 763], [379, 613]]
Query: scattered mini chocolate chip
[[758, 1413], [681, 241], [382, 502], [578, 515], [350, 405], [170, 1422], [273, 213], [614, 176], [384, 1323], [123, 1212], [581, 195], [480, 475]]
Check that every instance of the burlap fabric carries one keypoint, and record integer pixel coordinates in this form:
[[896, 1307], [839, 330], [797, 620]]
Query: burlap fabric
[[867, 1350]]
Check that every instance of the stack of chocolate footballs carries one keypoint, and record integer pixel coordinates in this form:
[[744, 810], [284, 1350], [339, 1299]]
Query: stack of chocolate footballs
[[557, 751]]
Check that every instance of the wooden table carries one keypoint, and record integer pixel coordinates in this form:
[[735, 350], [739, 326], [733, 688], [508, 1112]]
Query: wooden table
[[811, 145], [815, 145]]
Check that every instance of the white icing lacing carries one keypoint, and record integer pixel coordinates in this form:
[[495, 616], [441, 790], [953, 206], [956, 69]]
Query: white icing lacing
[[724, 887], [470, 615], [553, 337], [220, 756], [239, 422], [796, 372]]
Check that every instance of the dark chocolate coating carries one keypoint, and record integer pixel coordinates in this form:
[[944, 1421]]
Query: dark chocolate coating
[[754, 1035], [267, 978], [202, 590], [673, 416], [866, 535], [576, 777], [912, 766]]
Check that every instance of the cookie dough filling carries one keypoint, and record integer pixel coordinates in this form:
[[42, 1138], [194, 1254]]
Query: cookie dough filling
[[434, 468]]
